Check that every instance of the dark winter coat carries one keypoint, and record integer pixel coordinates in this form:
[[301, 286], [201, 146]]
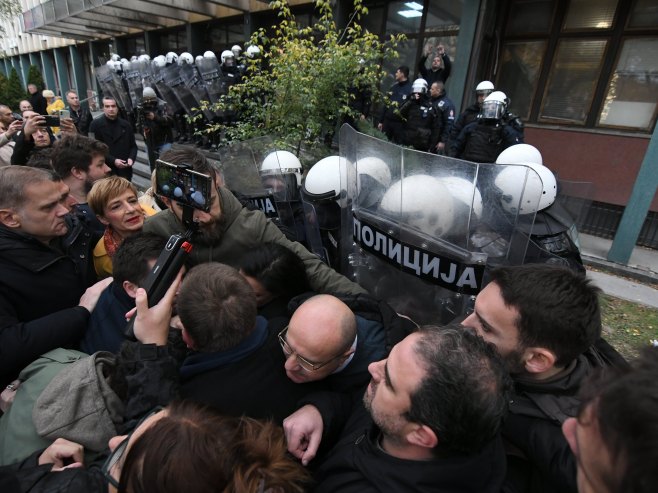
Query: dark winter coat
[[421, 124], [118, 135], [81, 119], [40, 288], [358, 465], [432, 76]]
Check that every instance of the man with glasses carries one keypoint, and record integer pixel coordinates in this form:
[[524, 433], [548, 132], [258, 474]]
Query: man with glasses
[[325, 340], [235, 364]]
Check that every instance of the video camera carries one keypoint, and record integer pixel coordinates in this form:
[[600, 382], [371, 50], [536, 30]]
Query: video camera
[[191, 190]]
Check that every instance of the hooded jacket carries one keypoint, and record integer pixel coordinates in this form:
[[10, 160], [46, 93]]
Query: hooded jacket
[[243, 229], [40, 289]]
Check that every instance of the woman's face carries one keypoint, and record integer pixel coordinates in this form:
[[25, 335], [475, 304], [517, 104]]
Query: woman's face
[[124, 214], [116, 441], [262, 294]]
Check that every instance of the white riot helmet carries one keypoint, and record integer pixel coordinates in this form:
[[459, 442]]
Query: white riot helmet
[[236, 50], [171, 57], [134, 58], [484, 88], [465, 192], [494, 106], [228, 58], [144, 58], [185, 58], [323, 179], [198, 59], [282, 162], [209, 55], [520, 154], [125, 66], [253, 51], [114, 57], [159, 61], [422, 202], [149, 94], [419, 86], [113, 65], [512, 180]]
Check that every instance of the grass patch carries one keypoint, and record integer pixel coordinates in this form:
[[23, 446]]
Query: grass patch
[[628, 326]]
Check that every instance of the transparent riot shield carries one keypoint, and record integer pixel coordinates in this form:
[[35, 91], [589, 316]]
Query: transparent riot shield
[[195, 85], [112, 86], [274, 191], [420, 230], [174, 80], [133, 76], [211, 76], [167, 93]]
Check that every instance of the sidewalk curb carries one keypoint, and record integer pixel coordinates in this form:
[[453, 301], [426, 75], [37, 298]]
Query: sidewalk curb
[[640, 275]]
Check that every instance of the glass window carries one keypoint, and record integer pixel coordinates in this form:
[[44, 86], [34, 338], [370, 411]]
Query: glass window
[[590, 14], [519, 72], [573, 77], [444, 14], [431, 44], [373, 21], [632, 94], [404, 17], [644, 14], [531, 16]]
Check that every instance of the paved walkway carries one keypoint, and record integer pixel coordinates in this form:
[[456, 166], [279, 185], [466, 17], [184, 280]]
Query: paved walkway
[[623, 288]]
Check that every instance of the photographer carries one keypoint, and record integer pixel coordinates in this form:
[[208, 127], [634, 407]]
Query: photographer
[[155, 125], [9, 126]]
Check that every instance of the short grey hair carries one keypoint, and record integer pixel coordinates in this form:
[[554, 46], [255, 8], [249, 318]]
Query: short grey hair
[[14, 179]]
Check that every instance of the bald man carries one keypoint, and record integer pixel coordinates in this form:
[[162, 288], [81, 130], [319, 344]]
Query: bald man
[[326, 340]]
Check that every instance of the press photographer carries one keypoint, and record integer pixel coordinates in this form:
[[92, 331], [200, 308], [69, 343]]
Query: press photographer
[[155, 125]]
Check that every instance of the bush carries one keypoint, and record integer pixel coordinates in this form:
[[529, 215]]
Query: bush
[[15, 92]]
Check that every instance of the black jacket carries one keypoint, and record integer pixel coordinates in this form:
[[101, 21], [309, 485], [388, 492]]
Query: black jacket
[[358, 465], [81, 119], [40, 288], [469, 115], [540, 459], [29, 477], [249, 379], [432, 76], [119, 137], [422, 125], [39, 103]]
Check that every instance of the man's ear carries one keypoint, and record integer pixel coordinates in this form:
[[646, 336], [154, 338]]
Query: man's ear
[[422, 436], [9, 218], [130, 288], [187, 339], [538, 360], [77, 173]]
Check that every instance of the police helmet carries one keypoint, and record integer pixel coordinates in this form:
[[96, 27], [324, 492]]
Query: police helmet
[[227, 58], [282, 162], [484, 88], [494, 106], [253, 51], [198, 59], [209, 55], [511, 181], [185, 58], [323, 179], [236, 49], [171, 57], [464, 192], [419, 86], [134, 58], [422, 202], [149, 94], [114, 57], [144, 58], [159, 61]]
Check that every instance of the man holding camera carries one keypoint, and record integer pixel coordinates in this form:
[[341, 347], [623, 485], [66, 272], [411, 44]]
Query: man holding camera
[[9, 126], [118, 135], [155, 125]]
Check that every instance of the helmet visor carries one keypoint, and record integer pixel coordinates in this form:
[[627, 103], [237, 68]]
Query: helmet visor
[[493, 110]]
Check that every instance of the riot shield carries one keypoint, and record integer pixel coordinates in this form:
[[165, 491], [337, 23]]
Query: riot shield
[[135, 83], [167, 93], [112, 86], [420, 230], [174, 80], [275, 192], [196, 87], [210, 74]]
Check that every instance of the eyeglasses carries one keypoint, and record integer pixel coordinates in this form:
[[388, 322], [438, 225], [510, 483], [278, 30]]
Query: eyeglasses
[[305, 364], [116, 456]]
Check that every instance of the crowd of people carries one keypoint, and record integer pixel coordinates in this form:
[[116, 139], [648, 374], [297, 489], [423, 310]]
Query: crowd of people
[[262, 369]]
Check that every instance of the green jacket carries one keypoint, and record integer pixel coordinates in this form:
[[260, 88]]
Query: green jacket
[[244, 229]]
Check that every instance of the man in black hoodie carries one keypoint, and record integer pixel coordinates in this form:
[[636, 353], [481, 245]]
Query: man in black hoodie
[[428, 421]]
